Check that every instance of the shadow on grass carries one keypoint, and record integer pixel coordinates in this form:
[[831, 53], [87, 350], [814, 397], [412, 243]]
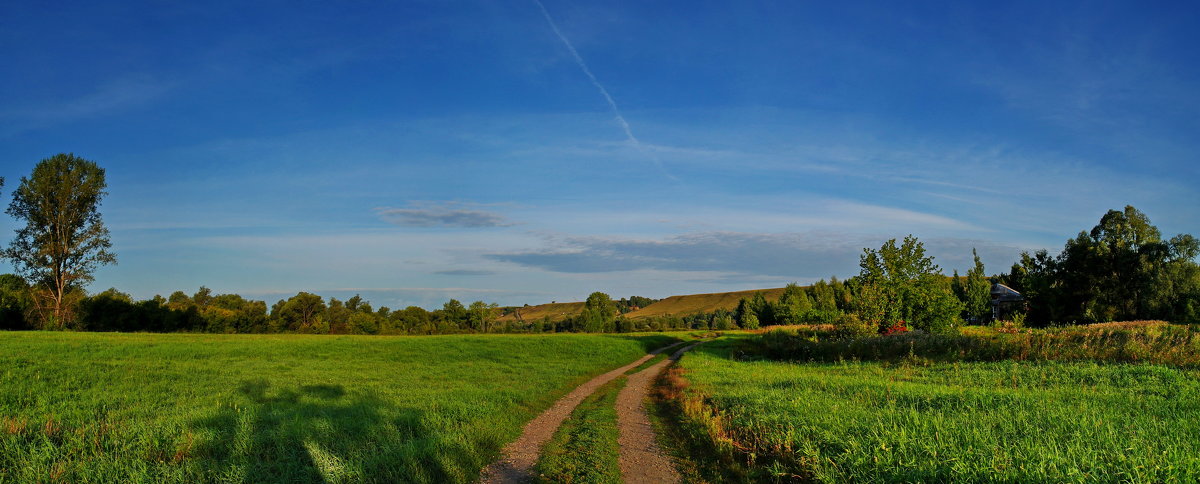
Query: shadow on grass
[[319, 433]]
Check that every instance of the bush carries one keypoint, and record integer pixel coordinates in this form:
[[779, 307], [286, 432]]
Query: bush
[[850, 326], [1150, 342]]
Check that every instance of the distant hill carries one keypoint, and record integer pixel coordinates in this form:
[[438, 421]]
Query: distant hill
[[556, 311], [701, 303], [674, 306]]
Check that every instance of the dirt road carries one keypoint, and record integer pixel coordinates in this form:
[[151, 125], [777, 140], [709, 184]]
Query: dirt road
[[642, 461], [517, 461]]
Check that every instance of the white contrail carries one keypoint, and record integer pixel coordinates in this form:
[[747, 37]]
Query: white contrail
[[603, 92]]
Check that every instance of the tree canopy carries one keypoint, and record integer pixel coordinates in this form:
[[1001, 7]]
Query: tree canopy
[[900, 283], [1121, 269], [64, 239]]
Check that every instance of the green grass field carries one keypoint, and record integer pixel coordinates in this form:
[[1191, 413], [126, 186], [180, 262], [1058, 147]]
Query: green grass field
[[1005, 421], [585, 450], [86, 407]]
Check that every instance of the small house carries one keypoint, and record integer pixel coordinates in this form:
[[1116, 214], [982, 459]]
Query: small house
[[1005, 302]]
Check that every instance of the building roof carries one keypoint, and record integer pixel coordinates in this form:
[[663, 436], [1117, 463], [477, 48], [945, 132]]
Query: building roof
[[1002, 293]]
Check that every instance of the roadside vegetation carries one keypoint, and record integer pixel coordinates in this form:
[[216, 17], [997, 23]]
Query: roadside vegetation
[[85, 407], [916, 420], [1155, 342]]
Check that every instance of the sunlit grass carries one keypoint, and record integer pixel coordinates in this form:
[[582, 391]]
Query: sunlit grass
[[963, 422], [77, 407]]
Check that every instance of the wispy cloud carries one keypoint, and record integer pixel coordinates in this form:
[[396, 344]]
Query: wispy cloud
[[464, 272], [603, 92], [105, 98], [797, 256], [445, 215]]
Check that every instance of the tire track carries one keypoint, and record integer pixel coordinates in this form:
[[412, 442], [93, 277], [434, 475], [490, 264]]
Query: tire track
[[518, 458], [641, 459]]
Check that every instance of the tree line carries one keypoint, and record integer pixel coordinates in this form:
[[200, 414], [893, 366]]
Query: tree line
[[1122, 269], [206, 312]]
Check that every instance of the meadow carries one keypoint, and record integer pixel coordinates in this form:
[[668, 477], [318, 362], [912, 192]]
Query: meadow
[[106, 407], [917, 419]]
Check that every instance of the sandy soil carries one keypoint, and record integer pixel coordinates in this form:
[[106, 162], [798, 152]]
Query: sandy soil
[[642, 461]]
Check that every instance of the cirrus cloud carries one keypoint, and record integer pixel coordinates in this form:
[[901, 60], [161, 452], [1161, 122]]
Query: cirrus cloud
[[799, 256]]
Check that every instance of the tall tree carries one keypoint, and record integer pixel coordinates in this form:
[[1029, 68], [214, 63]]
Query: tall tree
[[793, 305], [977, 292], [598, 313], [1120, 270], [64, 239], [763, 310], [482, 315], [899, 282], [455, 313], [300, 312]]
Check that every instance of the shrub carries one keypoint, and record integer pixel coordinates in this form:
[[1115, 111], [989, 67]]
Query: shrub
[[897, 327], [1150, 342], [850, 326]]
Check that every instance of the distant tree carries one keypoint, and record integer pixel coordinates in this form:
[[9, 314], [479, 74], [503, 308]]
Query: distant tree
[[823, 296], [742, 310], [1120, 270], [598, 314], [843, 295], [640, 302], [202, 297], [337, 315], [231, 313], [179, 301], [301, 312], [363, 323], [793, 305], [354, 303], [749, 321], [762, 309], [14, 302], [977, 291], [64, 239], [958, 287], [412, 319], [454, 313], [482, 315], [1035, 276], [111, 310]]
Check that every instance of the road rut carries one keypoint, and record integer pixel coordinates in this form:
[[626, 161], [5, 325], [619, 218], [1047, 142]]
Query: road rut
[[641, 459], [517, 461]]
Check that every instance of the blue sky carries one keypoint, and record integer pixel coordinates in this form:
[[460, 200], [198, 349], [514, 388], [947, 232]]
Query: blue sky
[[417, 151]]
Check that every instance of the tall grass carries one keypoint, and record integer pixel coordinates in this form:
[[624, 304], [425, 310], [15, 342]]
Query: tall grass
[[1005, 421], [1129, 342], [79, 407]]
